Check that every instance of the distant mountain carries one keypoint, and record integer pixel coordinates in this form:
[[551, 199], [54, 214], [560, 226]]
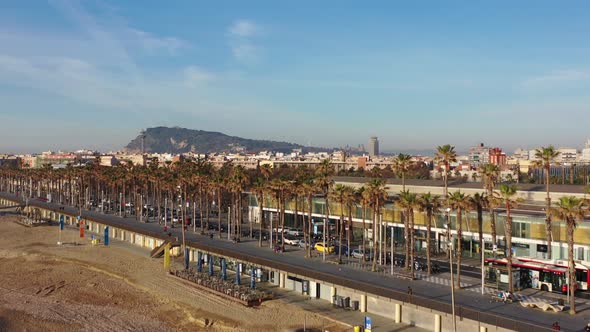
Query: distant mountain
[[182, 140]]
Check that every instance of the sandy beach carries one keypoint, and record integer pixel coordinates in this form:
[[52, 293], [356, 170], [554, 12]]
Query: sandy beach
[[46, 287]]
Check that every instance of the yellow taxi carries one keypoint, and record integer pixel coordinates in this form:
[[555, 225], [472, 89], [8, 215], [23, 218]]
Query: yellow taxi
[[321, 247]]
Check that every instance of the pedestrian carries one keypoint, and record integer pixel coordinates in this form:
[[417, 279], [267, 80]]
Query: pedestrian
[[410, 294], [556, 327]]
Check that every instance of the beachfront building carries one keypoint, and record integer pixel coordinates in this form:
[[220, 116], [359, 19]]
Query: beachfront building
[[528, 230]]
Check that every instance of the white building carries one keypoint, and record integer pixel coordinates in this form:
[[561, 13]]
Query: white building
[[586, 152], [567, 155]]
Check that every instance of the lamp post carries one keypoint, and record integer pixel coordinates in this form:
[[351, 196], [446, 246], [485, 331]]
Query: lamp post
[[450, 245]]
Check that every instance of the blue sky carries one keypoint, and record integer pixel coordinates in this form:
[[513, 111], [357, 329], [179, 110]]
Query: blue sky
[[417, 74]]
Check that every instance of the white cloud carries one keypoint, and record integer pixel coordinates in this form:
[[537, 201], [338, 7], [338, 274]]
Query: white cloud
[[557, 77], [243, 28]]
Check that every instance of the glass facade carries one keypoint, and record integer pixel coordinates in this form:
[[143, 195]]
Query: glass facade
[[523, 227]]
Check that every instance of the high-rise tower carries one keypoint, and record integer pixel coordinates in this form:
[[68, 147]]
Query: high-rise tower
[[373, 146]]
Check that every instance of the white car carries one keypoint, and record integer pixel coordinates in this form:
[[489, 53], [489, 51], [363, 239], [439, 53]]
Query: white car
[[291, 240]]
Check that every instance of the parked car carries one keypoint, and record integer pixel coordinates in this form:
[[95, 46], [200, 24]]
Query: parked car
[[345, 250], [358, 253], [291, 240], [303, 244], [322, 247]]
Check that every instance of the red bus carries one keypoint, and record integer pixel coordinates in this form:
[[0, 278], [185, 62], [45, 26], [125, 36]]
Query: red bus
[[545, 274]]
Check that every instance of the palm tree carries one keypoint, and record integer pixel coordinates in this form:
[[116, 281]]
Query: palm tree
[[324, 181], [490, 174], [308, 189], [376, 190], [479, 202], [545, 156], [364, 197], [430, 204], [401, 164], [506, 198], [570, 209], [337, 195], [259, 188], [408, 201], [446, 154], [459, 202]]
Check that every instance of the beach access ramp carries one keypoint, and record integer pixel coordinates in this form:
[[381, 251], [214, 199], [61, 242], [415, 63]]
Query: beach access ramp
[[158, 251]]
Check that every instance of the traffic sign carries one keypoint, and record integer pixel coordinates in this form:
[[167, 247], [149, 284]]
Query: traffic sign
[[368, 323]]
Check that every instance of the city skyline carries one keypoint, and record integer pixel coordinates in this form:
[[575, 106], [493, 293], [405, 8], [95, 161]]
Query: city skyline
[[92, 74]]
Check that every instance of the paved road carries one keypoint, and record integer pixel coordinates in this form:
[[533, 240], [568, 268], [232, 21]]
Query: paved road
[[348, 275]]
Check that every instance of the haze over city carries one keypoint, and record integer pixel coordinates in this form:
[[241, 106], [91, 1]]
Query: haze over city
[[92, 74]]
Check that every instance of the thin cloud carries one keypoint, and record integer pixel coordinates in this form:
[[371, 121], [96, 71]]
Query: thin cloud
[[243, 28], [245, 52], [556, 78], [240, 34], [153, 44], [195, 76]]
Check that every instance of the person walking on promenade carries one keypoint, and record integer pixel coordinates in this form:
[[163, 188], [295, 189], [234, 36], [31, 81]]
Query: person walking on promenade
[[556, 327], [410, 294]]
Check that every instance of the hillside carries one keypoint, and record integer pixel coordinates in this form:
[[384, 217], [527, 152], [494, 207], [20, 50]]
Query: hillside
[[182, 140]]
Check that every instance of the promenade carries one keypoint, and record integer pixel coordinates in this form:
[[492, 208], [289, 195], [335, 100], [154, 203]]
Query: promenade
[[469, 304]]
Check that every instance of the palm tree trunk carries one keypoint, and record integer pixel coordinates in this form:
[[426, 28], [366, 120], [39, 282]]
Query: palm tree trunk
[[349, 231], [459, 245], [571, 266], [493, 226], [508, 250], [282, 218], [260, 219], [407, 238], [309, 224], [480, 229], [340, 234], [428, 228], [219, 212], [201, 221], [375, 211], [547, 214], [411, 241]]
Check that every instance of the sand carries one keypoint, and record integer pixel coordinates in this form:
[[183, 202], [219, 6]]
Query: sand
[[46, 287]]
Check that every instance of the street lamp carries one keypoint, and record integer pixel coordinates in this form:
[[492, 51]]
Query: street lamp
[[450, 245]]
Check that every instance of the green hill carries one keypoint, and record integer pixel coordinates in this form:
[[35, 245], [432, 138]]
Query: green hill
[[182, 140]]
